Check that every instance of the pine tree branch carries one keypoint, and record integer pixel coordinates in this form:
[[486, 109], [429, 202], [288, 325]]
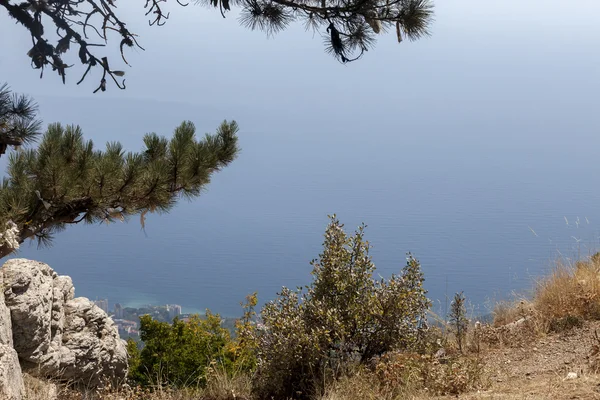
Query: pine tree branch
[[349, 25], [8, 140], [18, 124], [66, 182]]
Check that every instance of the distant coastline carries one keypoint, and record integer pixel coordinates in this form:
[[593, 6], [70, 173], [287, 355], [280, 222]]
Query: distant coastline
[[127, 318]]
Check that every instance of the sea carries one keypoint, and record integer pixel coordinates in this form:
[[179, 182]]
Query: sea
[[488, 213]]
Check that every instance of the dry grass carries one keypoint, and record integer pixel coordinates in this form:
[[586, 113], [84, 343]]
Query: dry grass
[[220, 387], [396, 376], [39, 389], [362, 386], [506, 312], [546, 387], [410, 376], [570, 291], [66, 393], [561, 301]]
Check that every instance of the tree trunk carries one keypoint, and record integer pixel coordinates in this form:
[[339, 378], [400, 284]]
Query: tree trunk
[[5, 251]]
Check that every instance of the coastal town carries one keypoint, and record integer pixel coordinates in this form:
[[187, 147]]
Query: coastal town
[[127, 318]]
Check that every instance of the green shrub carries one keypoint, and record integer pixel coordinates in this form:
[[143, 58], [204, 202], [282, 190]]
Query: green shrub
[[344, 318], [133, 353], [184, 353]]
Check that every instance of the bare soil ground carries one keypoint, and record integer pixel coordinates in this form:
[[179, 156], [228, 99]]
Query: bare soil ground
[[539, 369]]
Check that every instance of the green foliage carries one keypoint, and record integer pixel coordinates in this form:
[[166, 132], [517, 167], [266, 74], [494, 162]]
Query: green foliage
[[180, 353], [188, 353], [134, 359], [244, 346], [18, 124], [345, 317], [65, 180], [458, 319]]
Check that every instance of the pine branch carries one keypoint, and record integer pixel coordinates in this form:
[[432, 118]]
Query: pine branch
[[18, 124], [349, 26], [64, 181]]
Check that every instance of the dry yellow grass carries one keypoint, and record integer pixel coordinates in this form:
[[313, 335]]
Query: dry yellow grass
[[506, 312], [39, 389], [571, 290], [415, 382], [565, 298], [533, 359], [550, 386], [220, 387]]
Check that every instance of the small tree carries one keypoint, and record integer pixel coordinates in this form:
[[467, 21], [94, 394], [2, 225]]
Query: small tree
[[343, 318], [66, 181], [134, 360], [458, 319], [186, 353], [179, 354], [244, 346]]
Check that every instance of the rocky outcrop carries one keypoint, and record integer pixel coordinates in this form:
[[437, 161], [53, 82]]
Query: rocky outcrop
[[11, 380], [28, 294], [5, 321], [56, 334], [92, 348]]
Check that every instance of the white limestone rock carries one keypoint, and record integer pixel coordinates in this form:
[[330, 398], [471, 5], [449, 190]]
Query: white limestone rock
[[11, 380], [28, 293], [95, 350], [56, 334]]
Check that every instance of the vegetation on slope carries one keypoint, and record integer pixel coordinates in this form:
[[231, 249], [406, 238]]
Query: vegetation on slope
[[347, 336]]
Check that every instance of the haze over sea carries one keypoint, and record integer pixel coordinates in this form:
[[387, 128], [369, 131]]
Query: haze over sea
[[475, 149]]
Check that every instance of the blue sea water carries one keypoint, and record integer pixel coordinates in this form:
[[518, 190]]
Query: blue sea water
[[486, 212]]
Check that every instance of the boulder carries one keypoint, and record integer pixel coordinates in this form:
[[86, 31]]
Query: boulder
[[56, 334], [28, 293], [92, 348], [5, 322], [11, 381]]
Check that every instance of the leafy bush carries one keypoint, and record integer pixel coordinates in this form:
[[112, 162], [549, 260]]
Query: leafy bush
[[185, 353], [133, 353], [344, 318]]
